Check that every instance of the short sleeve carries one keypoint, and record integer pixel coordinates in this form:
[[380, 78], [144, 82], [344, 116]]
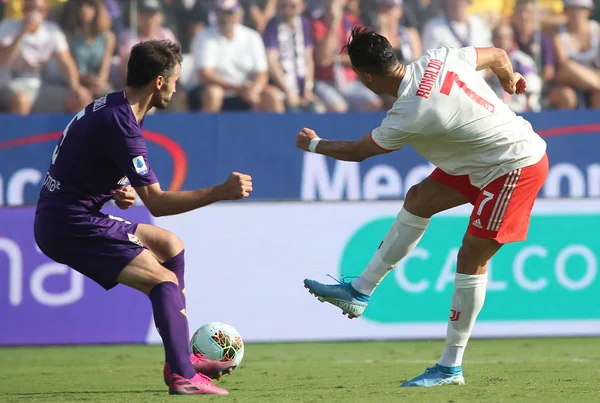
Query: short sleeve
[[60, 41], [389, 135], [469, 55], [131, 155], [260, 54], [270, 35], [206, 51]]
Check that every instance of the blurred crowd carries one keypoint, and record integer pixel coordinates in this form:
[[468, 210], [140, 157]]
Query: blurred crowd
[[284, 55]]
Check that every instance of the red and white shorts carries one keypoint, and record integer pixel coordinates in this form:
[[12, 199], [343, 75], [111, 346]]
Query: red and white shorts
[[502, 209]]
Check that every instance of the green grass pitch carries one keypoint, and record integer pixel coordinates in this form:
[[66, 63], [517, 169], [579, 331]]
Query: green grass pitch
[[509, 370]]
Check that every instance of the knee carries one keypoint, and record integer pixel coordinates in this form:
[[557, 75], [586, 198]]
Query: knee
[[144, 279], [173, 245], [20, 103], [563, 98], [272, 100], [474, 255], [417, 202], [160, 277], [166, 276], [212, 98], [213, 90], [338, 108], [412, 194], [595, 100]]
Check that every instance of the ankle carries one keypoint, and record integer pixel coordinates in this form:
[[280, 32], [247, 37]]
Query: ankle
[[363, 286], [448, 370]]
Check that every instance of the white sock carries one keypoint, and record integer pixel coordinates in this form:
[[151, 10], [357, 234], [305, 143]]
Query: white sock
[[467, 301], [403, 236]]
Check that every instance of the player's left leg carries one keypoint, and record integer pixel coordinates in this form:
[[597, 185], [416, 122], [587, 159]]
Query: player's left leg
[[500, 215], [467, 300], [435, 194], [169, 250]]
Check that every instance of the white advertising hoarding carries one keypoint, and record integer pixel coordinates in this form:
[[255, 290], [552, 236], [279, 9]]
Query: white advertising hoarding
[[246, 262]]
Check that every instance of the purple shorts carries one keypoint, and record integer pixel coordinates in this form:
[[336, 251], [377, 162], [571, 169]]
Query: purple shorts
[[97, 245]]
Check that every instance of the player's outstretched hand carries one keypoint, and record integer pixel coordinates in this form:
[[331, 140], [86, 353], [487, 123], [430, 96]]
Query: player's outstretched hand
[[304, 137], [237, 186], [124, 197]]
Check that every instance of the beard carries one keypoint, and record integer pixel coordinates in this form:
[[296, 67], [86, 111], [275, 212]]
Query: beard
[[161, 100]]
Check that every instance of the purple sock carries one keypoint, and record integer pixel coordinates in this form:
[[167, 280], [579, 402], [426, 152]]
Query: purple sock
[[177, 265], [172, 325]]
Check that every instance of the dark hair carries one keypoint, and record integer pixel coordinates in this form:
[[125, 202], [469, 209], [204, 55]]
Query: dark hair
[[151, 59], [70, 20], [101, 21], [370, 52]]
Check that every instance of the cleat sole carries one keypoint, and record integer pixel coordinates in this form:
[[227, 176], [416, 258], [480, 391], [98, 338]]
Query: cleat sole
[[345, 312]]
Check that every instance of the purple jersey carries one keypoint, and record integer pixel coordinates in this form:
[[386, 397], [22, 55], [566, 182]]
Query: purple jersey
[[100, 150]]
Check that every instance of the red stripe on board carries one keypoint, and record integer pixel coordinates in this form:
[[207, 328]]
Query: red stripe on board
[[171, 146], [177, 155], [23, 141], [561, 131]]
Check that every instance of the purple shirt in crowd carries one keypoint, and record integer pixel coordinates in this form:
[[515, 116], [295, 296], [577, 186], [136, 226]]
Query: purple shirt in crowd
[[291, 42], [100, 150], [533, 49]]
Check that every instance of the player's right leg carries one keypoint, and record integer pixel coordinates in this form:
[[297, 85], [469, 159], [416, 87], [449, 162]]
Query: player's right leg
[[169, 250], [435, 194], [146, 274]]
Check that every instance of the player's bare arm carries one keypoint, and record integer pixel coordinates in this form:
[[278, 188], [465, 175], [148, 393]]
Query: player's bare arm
[[162, 203], [498, 61], [344, 150]]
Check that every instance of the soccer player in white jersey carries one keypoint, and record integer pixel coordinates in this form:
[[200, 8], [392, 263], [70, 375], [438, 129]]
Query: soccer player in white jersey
[[484, 155]]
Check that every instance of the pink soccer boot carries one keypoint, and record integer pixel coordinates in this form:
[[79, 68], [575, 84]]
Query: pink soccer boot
[[198, 385], [204, 366]]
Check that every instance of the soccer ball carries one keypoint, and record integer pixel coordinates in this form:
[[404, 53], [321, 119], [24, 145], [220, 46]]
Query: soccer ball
[[218, 342]]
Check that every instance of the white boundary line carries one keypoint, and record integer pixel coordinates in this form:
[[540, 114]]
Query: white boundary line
[[575, 360]]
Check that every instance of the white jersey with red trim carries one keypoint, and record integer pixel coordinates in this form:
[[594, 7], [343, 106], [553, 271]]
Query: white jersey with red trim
[[451, 116]]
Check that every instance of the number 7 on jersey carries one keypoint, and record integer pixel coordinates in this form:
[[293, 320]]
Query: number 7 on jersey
[[452, 78]]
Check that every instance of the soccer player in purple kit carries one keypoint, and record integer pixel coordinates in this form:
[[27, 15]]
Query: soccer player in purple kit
[[100, 150]]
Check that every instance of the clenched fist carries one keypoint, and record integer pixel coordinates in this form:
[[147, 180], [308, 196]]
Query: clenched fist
[[516, 85], [124, 197], [304, 137], [237, 186]]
